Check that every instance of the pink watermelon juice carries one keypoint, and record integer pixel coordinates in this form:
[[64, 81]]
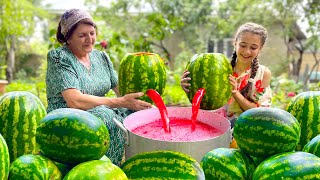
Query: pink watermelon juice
[[180, 131]]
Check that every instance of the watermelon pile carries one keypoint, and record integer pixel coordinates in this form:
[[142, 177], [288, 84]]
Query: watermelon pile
[[305, 107]]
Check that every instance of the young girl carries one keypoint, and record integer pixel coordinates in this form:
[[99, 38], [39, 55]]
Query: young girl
[[250, 80]]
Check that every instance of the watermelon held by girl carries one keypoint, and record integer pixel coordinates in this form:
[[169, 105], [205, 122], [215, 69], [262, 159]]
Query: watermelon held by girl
[[141, 71], [72, 136], [21, 112], [210, 71]]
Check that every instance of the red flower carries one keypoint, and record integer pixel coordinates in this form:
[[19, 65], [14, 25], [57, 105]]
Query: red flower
[[104, 44], [258, 86], [291, 94]]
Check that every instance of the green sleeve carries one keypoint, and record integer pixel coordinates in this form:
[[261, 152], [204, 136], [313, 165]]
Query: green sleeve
[[60, 73]]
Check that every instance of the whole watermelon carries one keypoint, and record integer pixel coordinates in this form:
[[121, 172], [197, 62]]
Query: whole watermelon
[[162, 164], [289, 165], [4, 159], [20, 115], [227, 163], [313, 146], [305, 107], [72, 136], [210, 71], [265, 131], [30, 166], [95, 170], [141, 71]]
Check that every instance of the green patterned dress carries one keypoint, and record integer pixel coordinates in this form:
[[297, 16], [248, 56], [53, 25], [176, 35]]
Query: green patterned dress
[[64, 71]]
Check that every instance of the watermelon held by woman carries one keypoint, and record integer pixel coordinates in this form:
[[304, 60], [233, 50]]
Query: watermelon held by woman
[[162, 164], [210, 71], [289, 165], [264, 131], [72, 136], [4, 159], [20, 115], [227, 163], [141, 71], [305, 107], [30, 166], [95, 170]]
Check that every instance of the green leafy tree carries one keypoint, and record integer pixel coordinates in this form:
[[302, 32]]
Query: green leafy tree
[[17, 22], [149, 24]]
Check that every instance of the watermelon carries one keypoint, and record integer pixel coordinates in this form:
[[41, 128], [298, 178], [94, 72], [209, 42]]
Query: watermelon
[[227, 163], [71, 136], [265, 131], [210, 71], [105, 158], [289, 165], [141, 71], [96, 170], [162, 164], [30, 166], [313, 146], [20, 115], [305, 107], [4, 159]]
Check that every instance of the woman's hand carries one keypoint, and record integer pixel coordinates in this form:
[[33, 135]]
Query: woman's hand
[[184, 82], [233, 83], [132, 102]]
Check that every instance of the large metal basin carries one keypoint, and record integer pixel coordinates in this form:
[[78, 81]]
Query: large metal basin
[[197, 149]]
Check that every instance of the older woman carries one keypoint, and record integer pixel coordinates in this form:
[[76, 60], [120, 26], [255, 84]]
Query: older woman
[[79, 76]]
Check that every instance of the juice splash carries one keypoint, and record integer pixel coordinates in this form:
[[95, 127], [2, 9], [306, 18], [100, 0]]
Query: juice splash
[[195, 106], [156, 98]]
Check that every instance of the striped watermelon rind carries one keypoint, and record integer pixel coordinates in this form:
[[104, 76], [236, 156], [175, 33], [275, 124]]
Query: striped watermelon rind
[[305, 107], [227, 163], [95, 170], [141, 71], [20, 115], [162, 164], [313, 146], [72, 136], [265, 131], [289, 165], [30, 166], [4, 159], [210, 71]]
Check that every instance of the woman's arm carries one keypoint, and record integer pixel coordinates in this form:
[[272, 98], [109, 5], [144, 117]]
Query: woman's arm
[[75, 99], [116, 91]]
